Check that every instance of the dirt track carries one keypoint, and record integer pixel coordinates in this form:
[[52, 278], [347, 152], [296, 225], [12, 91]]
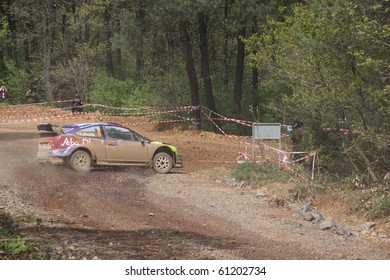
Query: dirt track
[[134, 213]]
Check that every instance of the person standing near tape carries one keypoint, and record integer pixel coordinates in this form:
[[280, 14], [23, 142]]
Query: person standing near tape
[[297, 137], [31, 97], [3, 93], [77, 104]]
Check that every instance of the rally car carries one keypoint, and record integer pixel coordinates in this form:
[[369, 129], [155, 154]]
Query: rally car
[[84, 146]]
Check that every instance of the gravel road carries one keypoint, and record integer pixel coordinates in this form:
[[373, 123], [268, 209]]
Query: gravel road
[[134, 213]]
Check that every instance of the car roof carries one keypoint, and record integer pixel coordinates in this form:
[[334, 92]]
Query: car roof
[[72, 127]]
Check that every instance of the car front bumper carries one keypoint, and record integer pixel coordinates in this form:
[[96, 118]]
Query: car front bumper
[[178, 163]]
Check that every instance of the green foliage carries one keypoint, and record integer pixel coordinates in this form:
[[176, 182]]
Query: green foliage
[[29, 218], [257, 173], [113, 92], [15, 245], [323, 62], [167, 88], [77, 75], [13, 77], [381, 208], [333, 57], [375, 201], [3, 34], [16, 82], [18, 246], [4, 29]]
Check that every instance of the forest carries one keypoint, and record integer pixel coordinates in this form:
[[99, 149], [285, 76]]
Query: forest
[[322, 62]]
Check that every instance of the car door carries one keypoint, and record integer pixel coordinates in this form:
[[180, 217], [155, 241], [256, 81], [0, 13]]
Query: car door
[[124, 146], [91, 137]]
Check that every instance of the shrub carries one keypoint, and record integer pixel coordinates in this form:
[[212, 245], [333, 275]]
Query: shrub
[[116, 93], [18, 246], [380, 208], [256, 173], [6, 222]]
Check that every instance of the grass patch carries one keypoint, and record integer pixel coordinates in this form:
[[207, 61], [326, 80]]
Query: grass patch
[[14, 245], [259, 173], [29, 218], [18, 247], [380, 208]]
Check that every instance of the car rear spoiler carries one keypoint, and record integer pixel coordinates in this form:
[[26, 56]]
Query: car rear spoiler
[[48, 129]]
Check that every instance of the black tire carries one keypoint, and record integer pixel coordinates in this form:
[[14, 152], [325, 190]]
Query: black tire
[[81, 161], [162, 163]]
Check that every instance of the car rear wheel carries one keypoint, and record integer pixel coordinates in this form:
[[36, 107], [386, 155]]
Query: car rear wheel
[[162, 163], [81, 161]]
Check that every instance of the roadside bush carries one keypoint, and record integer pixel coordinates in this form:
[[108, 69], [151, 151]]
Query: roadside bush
[[374, 201], [116, 93], [16, 83], [380, 208], [18, 248], [256, 173], [300, 193]]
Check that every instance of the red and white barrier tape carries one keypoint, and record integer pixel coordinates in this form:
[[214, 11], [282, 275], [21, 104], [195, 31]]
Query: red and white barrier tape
[[150, 108], [33, 115], [289, 168], [19, 127], [42, 103], [223, 132], [281, 157], [61, 117], [156, 122], [243, 122], [342, 130], [152, 114]]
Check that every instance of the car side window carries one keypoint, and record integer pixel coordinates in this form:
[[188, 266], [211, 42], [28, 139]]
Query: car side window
[[121, 133], [93, 131]]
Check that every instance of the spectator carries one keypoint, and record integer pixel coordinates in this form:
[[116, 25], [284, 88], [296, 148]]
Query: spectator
[[3, 93], [297, 137], [77, 104], [31, 97]]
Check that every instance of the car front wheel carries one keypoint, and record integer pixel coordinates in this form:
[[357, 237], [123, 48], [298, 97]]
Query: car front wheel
[[81, 161], [162, 163]]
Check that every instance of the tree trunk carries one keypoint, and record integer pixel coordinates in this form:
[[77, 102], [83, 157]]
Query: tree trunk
[[11, 50], [191, 72], [48, 50], [237, 95], [84, 35], [226, 55], [255, 72], [117, 52], [107, 38], [140, 14], [207, 82]]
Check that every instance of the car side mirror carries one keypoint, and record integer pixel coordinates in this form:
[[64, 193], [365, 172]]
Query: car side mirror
[[143, 142]]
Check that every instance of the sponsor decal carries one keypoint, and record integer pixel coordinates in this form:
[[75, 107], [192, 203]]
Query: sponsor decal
[[70, 142]]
